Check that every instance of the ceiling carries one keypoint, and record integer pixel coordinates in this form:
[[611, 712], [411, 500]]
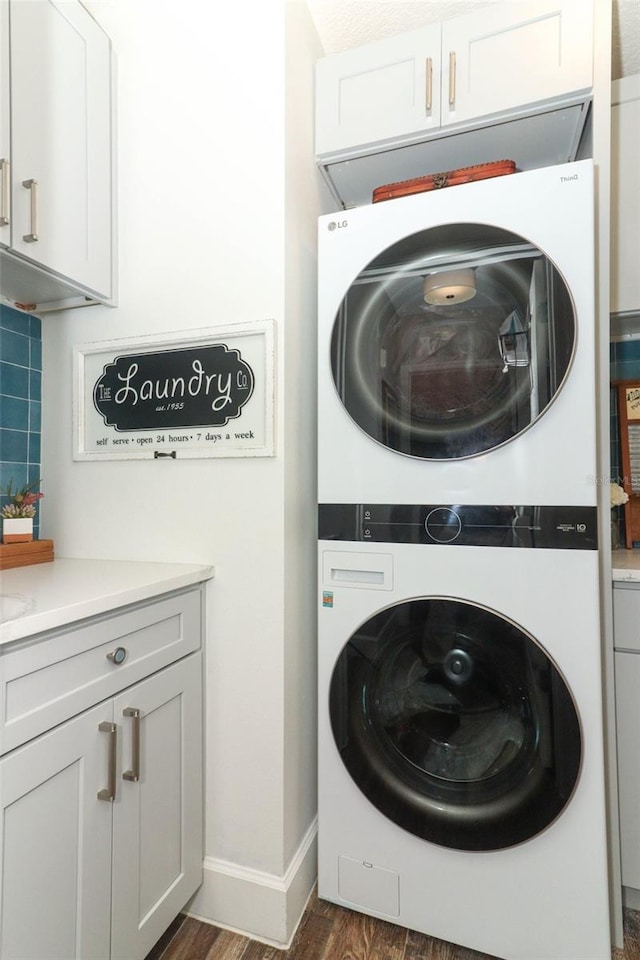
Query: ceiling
[[349, 23]]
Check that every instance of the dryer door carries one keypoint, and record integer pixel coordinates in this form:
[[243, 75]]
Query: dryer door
[[455, 724], [453, 341]]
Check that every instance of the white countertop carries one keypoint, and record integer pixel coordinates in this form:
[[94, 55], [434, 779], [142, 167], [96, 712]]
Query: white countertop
[[63, 591], [626, 565]]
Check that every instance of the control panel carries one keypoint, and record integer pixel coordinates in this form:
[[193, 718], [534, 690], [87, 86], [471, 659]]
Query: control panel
[[548, 527]]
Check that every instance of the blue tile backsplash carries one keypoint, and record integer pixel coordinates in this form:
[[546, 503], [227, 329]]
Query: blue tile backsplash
[[20, 399]]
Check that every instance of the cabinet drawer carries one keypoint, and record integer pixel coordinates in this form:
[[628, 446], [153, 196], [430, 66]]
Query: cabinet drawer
[[50, 679], [626, 617]]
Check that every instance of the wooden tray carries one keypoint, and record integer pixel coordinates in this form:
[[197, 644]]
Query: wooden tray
[[448, 178], [24, 554]]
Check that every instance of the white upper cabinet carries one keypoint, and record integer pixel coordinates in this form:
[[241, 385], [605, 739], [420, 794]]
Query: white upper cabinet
[[412, 86], [5, 143], [61, 132], [625, 197], [515, 54], [60, 118]]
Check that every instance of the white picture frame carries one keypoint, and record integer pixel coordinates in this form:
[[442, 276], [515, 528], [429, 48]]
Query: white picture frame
[[199, 393]]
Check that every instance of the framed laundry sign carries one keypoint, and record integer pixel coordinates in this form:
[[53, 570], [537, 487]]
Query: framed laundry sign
[[200, 393]]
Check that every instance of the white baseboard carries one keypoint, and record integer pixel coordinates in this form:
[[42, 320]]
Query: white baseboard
[[259, 905]]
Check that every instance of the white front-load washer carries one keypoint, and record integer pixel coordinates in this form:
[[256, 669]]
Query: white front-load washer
[[456, 344], [461, 769]]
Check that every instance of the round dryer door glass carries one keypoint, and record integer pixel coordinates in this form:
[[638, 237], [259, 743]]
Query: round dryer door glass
[[453, 341], [455, 724]]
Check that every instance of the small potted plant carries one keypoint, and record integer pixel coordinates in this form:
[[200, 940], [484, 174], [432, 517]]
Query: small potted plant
[[17, 515]]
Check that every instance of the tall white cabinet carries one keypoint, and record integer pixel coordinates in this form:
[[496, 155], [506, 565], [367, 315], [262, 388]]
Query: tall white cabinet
[[56, 142], [625, 195], [101, 806]]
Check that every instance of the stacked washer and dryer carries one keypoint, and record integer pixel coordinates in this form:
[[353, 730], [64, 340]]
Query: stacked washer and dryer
[[461, 768]]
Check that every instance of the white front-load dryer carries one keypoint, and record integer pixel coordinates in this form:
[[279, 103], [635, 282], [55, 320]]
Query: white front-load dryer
[[461, 769], [456, 344]]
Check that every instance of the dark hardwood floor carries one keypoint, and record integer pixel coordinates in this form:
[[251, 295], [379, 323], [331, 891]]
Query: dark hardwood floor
[[329, 932]]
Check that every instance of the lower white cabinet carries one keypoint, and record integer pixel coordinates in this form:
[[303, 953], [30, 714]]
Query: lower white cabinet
[[627, 668], [101, 832], [626, 612]]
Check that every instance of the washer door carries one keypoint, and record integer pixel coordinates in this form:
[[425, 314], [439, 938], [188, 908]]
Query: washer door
[[455, 724], [453, 341]]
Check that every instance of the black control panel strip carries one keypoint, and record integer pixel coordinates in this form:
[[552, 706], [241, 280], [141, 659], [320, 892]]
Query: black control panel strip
[[547, 528]]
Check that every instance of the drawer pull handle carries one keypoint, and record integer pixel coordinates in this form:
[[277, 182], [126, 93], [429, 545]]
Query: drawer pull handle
[[118, 656], [32, 185], [5, 193], [452, 78], [134, 773], [109, 792], [429, 89]]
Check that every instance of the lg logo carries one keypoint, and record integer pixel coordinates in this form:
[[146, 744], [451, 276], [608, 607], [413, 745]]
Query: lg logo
[[338, 225], [582, 528]]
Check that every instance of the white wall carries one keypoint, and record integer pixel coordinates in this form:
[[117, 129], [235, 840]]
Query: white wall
[[211, 234]]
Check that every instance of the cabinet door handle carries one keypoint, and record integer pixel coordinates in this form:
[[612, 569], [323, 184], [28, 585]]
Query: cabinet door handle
[[452, 78], [429, 85], [5, 194], [109, 792], [134, 773], [32, 185]]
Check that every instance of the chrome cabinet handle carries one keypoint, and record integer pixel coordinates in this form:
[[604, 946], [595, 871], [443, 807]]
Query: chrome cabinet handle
[[5, 194], [429, 86], [118, 656], [32, 185], [109, 792], [452, 78], [134, 773]]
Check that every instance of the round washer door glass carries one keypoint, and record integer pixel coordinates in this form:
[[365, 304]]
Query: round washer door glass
[[453, 341], [455, 724]]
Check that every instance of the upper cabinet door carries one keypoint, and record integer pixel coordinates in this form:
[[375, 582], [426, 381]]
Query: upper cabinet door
[[5, 144], [61, 140], [514, 54], [378, 92]]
